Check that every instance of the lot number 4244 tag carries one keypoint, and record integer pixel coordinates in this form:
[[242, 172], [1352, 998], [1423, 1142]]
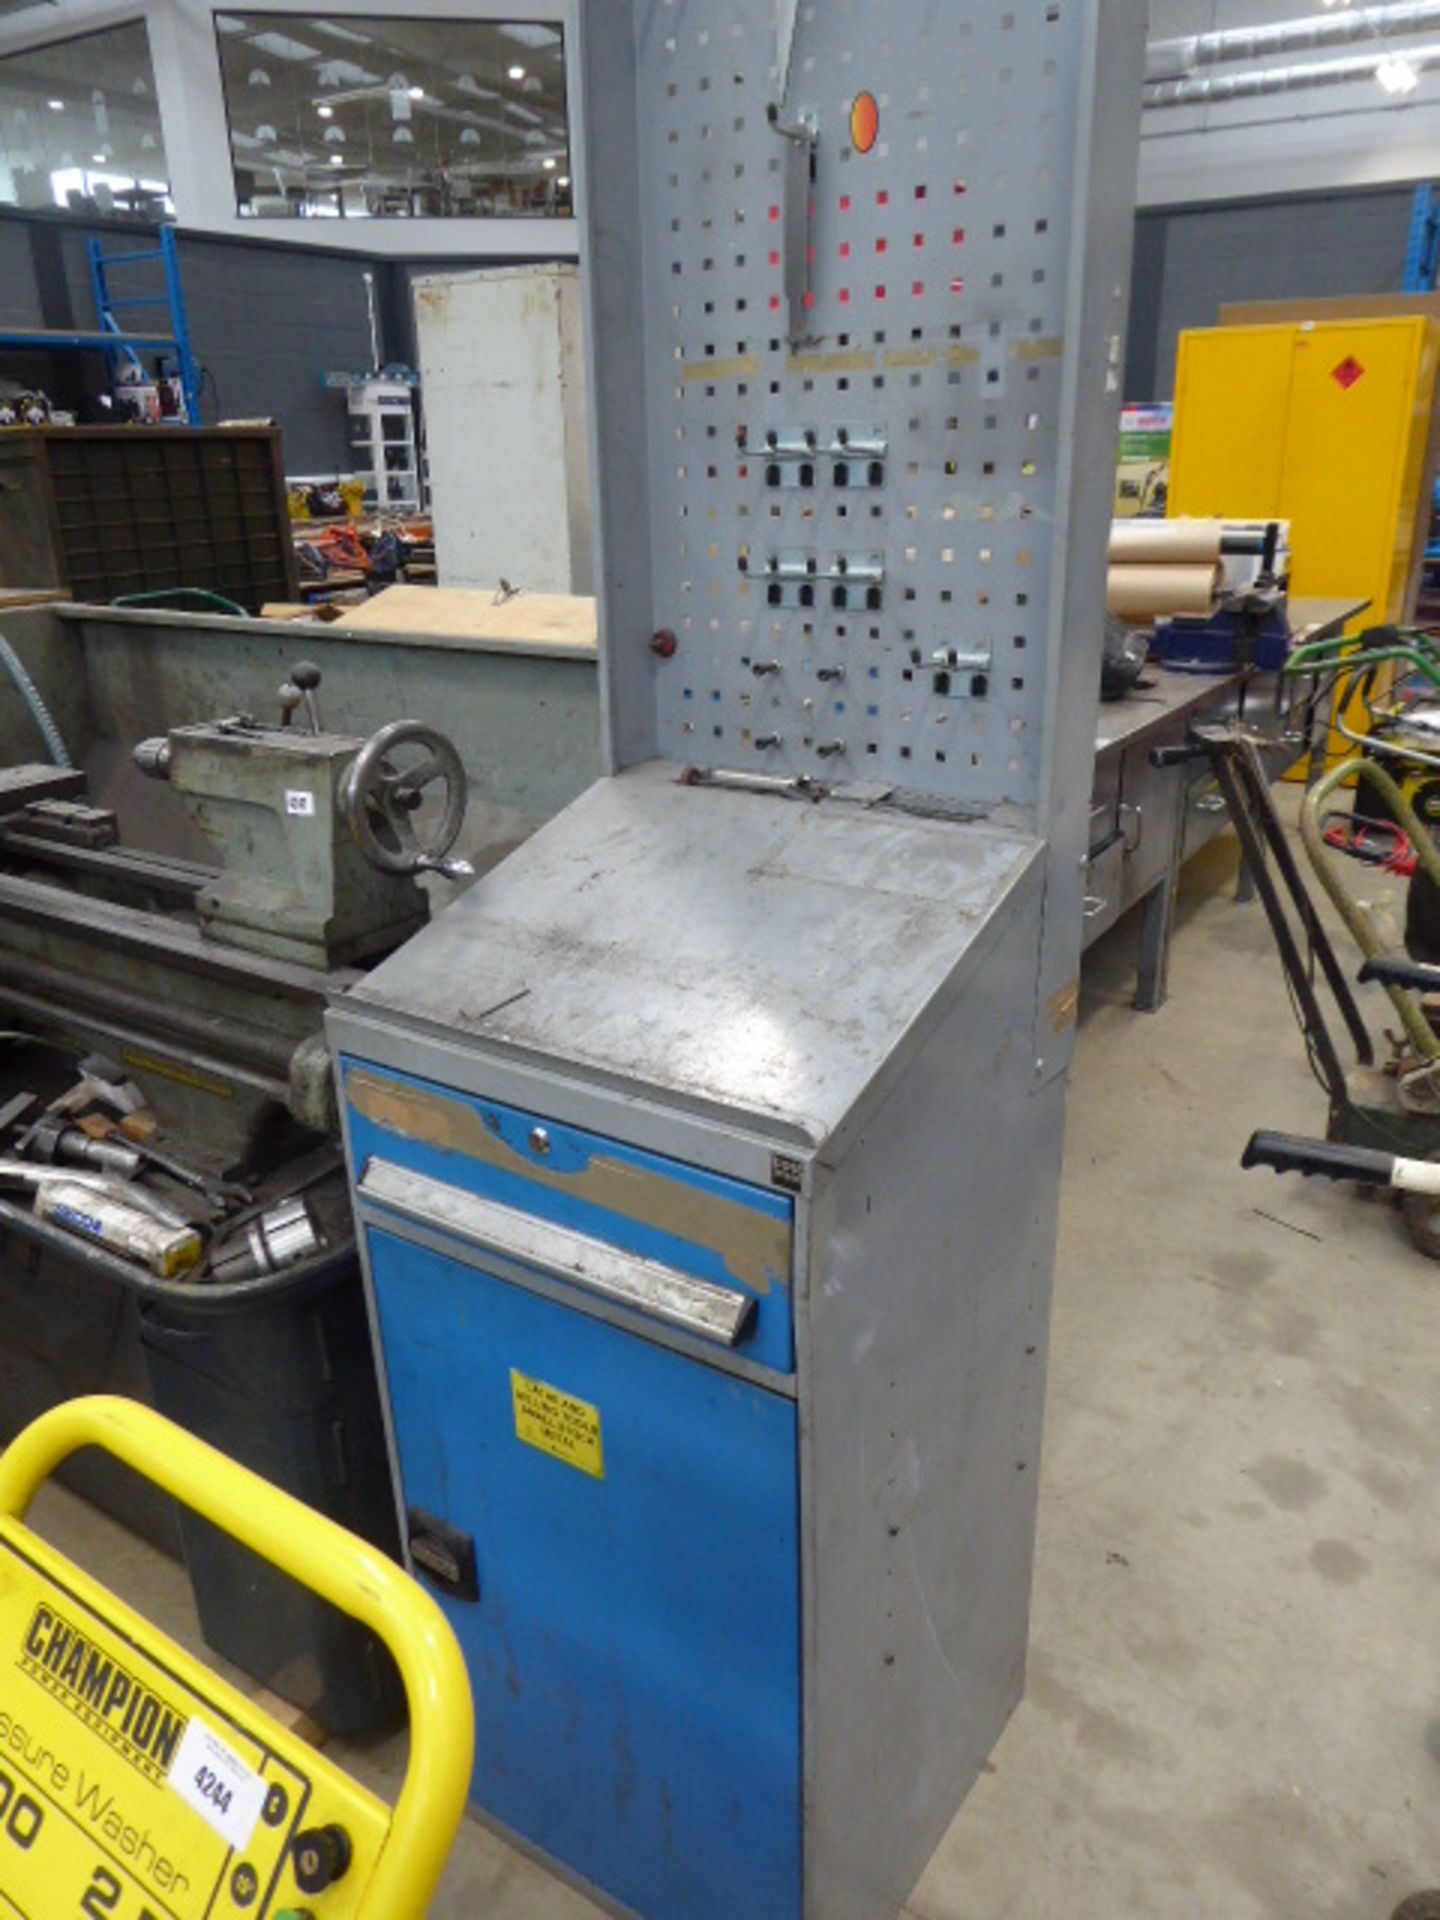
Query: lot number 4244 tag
[[212, 1778]]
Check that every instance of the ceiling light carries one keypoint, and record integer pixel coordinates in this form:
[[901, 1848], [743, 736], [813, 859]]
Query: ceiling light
[[417, 93], [517, 73], [56, 106], [98, 158], [1397, 75], [282, 47], [563, 181], [529, 35], [326, 113], [549, 163], [337, 159]]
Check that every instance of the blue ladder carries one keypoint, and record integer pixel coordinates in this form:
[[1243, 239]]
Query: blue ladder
[[173, 298], [1422, 258]]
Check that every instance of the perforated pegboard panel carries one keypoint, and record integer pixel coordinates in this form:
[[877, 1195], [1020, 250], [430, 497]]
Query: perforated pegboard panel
[[851, 518]]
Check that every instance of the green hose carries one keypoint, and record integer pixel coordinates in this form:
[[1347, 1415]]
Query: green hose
[[1416, 649], [189, 596], [1312, 831]]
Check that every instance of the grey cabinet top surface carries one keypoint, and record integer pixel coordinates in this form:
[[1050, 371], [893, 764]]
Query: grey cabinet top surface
[[749, 955]]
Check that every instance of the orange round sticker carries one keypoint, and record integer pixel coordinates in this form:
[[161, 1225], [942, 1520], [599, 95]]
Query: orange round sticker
[[864, 122]]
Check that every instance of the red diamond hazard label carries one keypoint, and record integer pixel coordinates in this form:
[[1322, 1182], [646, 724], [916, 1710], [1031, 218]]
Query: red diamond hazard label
[[1348, 372]]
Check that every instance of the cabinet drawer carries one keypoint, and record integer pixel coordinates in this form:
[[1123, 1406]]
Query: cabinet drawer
[[628, 1228], [1104, 888]]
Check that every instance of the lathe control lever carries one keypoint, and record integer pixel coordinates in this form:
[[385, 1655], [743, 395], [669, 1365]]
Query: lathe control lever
[[300, 689], [385, 788]]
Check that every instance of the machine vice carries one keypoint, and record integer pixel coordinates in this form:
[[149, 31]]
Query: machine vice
[[1248, 626], [315, 831]]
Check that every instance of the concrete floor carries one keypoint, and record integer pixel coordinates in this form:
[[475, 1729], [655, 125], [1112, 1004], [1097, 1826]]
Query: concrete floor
[[1234, 1704]]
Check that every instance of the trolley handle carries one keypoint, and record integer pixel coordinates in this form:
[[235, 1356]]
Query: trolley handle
[[332, 1563], [1398, 970], [1320, 1159]]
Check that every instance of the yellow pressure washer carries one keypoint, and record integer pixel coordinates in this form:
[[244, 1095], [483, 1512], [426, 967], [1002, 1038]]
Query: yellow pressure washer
[[137, 1785]]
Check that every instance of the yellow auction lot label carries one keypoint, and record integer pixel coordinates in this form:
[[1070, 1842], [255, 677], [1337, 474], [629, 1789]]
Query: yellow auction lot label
[[125, 1789], [558, 1424]]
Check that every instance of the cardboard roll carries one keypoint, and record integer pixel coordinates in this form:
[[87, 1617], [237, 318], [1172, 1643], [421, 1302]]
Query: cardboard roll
[[1141, 595]]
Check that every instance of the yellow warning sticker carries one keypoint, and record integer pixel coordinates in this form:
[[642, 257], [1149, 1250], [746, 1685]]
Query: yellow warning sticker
[[558, 1424]]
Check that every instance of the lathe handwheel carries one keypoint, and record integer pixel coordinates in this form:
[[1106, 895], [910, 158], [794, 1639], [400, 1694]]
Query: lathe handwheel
[[385, 788]]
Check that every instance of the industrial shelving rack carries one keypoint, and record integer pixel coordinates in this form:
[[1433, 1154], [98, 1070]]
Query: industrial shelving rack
[[118, 342]]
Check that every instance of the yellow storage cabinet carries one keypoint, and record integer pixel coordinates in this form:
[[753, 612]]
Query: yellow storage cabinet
[[1324, 424], [1232, 403]]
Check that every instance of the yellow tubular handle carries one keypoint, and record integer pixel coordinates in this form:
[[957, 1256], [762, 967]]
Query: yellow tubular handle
[[331, 1562]]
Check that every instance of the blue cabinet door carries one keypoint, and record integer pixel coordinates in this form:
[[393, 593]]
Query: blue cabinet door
[[635, 1648]]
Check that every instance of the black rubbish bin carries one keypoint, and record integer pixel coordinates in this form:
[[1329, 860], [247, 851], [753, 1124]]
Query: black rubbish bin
[[279, 1373], [66, 1330]]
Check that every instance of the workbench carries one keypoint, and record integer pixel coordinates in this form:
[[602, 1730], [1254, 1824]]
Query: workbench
[[1147, 821]]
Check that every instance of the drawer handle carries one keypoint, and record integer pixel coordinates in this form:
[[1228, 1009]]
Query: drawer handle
[[696, 1306], [1133, 839], [444, 1555]]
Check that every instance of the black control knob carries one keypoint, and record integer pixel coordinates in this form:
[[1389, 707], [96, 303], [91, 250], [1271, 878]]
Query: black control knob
[[306, 675], [321, 1857]]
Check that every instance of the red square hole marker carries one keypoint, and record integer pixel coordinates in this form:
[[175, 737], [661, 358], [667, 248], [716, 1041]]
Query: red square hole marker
[[1349, 372]]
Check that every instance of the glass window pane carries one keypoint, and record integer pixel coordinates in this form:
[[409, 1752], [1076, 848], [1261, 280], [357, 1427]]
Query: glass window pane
[[79, 127], [367, 118]]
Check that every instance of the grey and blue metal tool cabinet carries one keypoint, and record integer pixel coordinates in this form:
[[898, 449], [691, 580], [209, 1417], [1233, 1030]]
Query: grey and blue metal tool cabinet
[[706, 1152]]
